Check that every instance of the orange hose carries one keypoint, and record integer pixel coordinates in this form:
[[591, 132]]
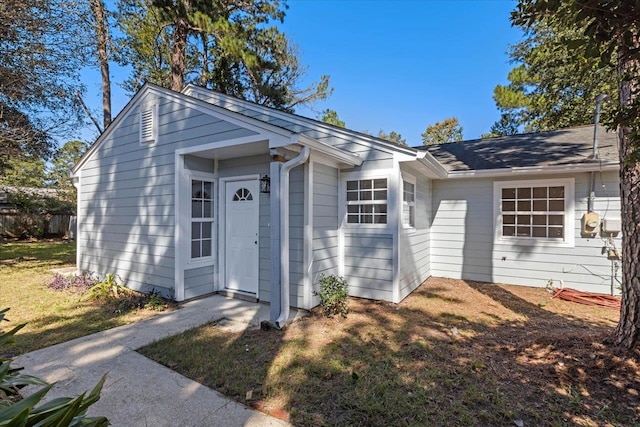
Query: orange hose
[[587, 298]]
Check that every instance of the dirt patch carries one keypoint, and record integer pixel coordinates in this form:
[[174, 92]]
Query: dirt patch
[[453, 353]]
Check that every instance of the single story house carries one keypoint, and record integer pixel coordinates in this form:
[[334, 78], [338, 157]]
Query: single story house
[[195, 192]]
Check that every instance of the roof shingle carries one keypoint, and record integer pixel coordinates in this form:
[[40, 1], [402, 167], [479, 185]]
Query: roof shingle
[[569, 146]]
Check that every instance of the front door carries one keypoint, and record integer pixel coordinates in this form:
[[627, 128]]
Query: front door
[[241, 236]]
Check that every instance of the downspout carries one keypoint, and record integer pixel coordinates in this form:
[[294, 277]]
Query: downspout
[[284, 234], [595, 155]]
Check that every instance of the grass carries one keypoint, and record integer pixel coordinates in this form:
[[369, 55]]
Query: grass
[[52, 316], [453, 353]]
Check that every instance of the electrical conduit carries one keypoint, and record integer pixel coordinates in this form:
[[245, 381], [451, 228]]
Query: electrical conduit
[[595, 155]]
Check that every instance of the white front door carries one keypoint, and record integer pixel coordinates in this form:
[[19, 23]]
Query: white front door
[[241, 235]]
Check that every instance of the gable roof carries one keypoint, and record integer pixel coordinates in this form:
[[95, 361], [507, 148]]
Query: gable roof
[[551, 149], [543, 152], [290, 121], [289, 128], [321, 132], [284, 136]]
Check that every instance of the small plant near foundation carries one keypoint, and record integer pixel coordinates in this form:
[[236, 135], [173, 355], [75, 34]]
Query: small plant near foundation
[[549, 286], [78, 283], [108, 288], [333, 295], [155, 302]]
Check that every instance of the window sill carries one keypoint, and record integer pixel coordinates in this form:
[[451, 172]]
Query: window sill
[[367, 227], [200, 262], [534, 242]]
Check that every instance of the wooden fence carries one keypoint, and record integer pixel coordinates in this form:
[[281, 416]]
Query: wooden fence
[[16, 224]]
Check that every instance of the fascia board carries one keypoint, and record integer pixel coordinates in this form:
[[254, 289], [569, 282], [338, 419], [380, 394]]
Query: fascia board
[[431, 163], [333, 152], [537, 170]]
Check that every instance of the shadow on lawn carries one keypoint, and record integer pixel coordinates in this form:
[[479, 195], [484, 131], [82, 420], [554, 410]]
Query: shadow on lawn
[[39, 333], [426, 361], [56, 252]]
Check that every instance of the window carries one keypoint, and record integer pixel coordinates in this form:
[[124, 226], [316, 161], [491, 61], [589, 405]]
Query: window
[[367, 201], [201, 219], [535, 211], [408, 204], [242, 195], [148, 124]]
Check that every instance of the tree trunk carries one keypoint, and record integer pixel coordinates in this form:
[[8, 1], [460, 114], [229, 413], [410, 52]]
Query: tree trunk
[[204, 73], [179, 51], [627, 333], [102, 43]]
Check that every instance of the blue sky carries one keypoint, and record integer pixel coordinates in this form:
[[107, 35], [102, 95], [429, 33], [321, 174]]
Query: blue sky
[[394, 65]]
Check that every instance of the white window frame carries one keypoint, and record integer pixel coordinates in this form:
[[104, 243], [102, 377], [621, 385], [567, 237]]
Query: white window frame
[[409, 179], [210, 258], [152, 111], [365, 175], [569, 212]]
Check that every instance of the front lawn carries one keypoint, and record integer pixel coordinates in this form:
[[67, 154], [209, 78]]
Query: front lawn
[[52, 316], [453, 353]]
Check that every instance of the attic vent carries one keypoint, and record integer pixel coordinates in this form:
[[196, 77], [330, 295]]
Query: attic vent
[[147, 124]]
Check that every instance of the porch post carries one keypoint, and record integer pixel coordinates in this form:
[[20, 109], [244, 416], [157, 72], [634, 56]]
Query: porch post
[[274, 233]]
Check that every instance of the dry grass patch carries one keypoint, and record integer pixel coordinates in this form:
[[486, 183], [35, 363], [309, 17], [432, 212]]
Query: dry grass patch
[[453, 353], [52, 316]]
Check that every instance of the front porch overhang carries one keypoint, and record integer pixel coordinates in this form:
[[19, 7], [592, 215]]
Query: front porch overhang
[[234, 148], [291, 148]]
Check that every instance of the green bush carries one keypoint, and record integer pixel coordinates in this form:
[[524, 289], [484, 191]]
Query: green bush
[[108, 288], [15, 410], [155, 301], [333, 295]]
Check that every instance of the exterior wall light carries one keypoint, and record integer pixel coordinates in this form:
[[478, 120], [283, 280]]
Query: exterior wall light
[[265, 184]]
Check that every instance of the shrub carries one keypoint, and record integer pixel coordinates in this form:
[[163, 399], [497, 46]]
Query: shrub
[[15, 410], [333, 295], [110, 291], [108, 288], [155, 301]]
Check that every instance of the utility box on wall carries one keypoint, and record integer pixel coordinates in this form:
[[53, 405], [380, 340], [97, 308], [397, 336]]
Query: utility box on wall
[[611, 225], [590, 224]]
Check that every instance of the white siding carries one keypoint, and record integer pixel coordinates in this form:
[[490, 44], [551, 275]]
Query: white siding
[[198, 281], [296, 237], [462, 242], [325, 258], [368, 265], [414, 246], [126, 211]]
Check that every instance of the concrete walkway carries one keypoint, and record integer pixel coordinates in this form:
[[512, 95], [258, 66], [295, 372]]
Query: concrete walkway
[[138, 391]]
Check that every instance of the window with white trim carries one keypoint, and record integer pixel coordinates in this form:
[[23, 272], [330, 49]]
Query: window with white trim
[[408, 204], [535, 210], [367, 201], [201, 219]]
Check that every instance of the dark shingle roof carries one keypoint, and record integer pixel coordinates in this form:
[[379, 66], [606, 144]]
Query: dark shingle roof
[[553, 148]]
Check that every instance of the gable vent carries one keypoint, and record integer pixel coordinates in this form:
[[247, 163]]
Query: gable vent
[[147, 124]]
